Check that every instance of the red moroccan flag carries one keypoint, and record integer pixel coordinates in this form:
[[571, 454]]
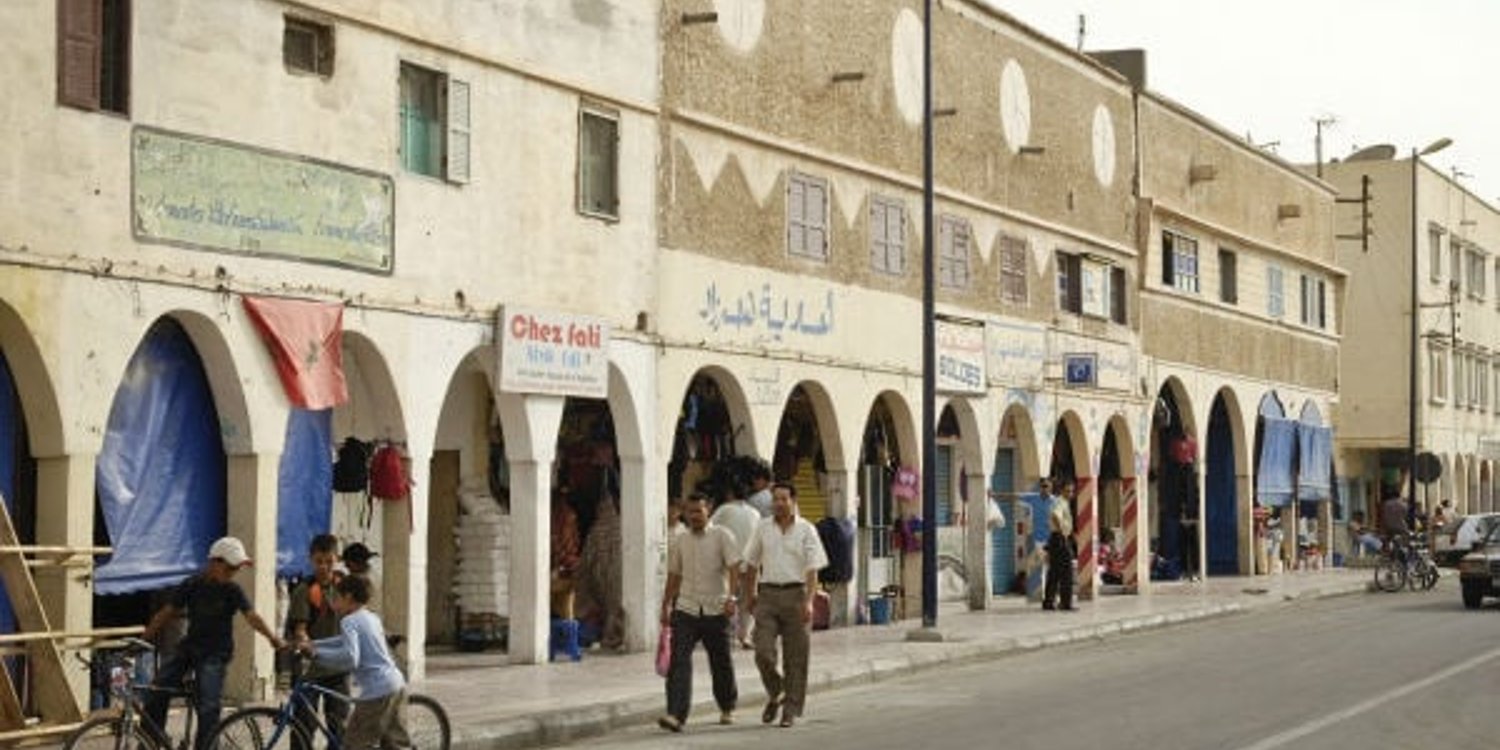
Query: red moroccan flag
[[304, 338]]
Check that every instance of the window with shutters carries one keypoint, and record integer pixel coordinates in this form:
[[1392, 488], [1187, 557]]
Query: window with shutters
[[1179, 261], [307, 46], [93, 55], [1275, 293], [954, 239], [1013, 270], [1435, 253], [599, 162], [1477, 263], [1437, 373], [1455, 264], [1069, 282], [1229, 282], [434, 124], [1313, 314], [887, 235], [807, 216]]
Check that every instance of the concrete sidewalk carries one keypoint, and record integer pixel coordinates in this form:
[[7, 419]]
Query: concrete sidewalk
[[496, 705]]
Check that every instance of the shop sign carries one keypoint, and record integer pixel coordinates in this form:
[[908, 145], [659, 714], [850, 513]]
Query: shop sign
[[215, 195], [553, 353], [960, 356], [1081, 370]]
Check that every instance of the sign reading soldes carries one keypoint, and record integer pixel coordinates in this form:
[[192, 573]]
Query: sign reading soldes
[[555, 353]]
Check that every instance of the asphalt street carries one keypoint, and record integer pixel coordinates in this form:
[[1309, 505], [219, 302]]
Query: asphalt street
[[1407, 670]]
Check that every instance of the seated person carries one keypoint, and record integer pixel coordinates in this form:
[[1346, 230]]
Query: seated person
[[1111, 562], [1365, 541]]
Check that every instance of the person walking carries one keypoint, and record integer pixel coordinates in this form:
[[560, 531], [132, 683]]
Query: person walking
[[311, 616], [1059, 551], [740, 518], [782, 560], [698, 604], [760, 489], [379, 716]]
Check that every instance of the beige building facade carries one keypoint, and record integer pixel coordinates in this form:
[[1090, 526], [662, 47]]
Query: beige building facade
[[727, 208]]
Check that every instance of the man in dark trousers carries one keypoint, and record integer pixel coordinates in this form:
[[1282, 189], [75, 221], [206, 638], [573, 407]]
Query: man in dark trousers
[[699, 604], [1059, 551]]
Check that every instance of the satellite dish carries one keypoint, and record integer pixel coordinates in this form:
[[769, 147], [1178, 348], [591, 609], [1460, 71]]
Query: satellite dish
[[1378, 152]]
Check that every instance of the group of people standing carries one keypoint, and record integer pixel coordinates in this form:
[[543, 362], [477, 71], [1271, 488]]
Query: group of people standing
[[746, 574]]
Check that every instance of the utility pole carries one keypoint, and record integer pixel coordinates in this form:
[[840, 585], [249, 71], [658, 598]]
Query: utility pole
[[1319, 123]]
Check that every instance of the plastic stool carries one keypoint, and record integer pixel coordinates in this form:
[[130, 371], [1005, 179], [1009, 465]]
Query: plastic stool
[[564, 641]]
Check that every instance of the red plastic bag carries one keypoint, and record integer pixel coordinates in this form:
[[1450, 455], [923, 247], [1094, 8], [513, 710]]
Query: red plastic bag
[[664, 651]]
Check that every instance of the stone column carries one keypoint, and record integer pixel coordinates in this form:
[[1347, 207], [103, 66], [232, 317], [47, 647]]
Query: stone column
[[252, 483], [977, 552], [844, 599], [404, 567], [65, 517], [531, 424], [642, 509]]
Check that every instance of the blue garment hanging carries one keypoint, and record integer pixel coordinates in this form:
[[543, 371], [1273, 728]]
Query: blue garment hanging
[[304, 489], [1315, 462], [160, 475], [1273, 479], [10, 441]]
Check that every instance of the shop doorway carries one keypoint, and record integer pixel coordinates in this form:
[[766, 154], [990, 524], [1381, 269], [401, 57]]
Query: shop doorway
[[800, 458], [587, 538], [1175, 512], [1221, 506], [880, 457]]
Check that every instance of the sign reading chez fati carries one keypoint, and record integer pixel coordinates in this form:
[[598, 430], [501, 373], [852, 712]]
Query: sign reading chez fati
[[554, 353], [960, 355]]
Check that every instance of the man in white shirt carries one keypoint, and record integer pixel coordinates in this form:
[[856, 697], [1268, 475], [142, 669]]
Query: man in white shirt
[[782, 561], [736, 515], [698, 604], [1060, 551]]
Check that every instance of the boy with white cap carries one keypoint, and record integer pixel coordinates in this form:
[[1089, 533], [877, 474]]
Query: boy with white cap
[[210, 600]]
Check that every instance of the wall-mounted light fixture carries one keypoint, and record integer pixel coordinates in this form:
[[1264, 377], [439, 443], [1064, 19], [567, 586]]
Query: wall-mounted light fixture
[[944, 111], [689, 19], [1031, 150], [1202, 173], [1288, 211], [849, 76]]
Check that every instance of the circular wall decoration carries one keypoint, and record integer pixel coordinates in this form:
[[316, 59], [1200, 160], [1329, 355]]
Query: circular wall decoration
[[741, 22], [1104, 146], [1015, 106], [906, 65]]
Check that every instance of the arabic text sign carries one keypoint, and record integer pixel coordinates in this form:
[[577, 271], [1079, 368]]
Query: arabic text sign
[[555, 353], [766, 312], [222, 196], [960, 356]]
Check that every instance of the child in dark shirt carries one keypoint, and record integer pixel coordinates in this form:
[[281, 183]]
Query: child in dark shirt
[[311, 616], [210, 600]]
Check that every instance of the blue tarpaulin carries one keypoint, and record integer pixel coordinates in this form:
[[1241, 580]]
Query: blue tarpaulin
[[1273, 479], [161, 471], [304, 489], [1314, 462]]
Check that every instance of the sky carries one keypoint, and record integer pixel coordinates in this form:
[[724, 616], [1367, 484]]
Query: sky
[[1402, 72]]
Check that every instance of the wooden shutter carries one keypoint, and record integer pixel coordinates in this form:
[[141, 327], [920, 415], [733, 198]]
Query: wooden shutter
[[796, 211], [1075, 283], [80, 31], [457, 151], [1168, 259], [816, 212], [1117, 294]]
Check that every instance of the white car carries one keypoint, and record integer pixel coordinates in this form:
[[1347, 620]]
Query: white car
[[1457, 539]]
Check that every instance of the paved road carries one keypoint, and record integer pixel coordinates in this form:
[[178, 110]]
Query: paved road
[[1409, 670]]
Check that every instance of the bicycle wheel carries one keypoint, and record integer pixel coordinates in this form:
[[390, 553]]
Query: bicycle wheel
[[1429, 573], [1390, 575], [108, 733], [427, 723], [257, 728]]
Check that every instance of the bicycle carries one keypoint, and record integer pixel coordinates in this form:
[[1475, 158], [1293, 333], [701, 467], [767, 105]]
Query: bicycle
[[1406, 562], [267, 728], [132, 728]]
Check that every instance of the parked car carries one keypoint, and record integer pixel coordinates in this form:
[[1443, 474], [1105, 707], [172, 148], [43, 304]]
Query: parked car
[[1479, 571], [1457, 539]]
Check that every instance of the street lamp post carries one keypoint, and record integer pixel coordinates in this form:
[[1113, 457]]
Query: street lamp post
[[1411, 383], [929, 346]]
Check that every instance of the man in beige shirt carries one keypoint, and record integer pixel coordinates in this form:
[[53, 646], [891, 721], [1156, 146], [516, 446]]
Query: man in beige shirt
[[698, 604], [782, 560]]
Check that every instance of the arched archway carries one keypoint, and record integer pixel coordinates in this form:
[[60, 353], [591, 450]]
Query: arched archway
[[1013, 477], [807, 449], [1119, 505], [888, 444], [1222, 504], [713, 424], [1174, 490]]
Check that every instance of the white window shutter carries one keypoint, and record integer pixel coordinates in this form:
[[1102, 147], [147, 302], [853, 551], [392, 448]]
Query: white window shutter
[[458, 131]]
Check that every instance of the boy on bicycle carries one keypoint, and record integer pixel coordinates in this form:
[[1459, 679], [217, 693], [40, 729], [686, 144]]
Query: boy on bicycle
[[312, 616], [210, 600], [379, 716]]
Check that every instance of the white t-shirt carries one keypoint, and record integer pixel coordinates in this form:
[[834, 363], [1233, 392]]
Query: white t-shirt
[[785, 556]]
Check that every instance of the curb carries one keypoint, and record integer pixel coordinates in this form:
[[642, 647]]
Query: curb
[[569, 724]]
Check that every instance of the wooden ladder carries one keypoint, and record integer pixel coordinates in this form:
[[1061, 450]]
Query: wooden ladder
[[56, 707]]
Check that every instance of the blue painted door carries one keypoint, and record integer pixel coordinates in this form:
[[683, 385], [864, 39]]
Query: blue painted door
[[1222, 525], [1003, 540], [944, 485]]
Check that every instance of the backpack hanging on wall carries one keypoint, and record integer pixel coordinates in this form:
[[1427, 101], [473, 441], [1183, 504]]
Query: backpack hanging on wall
[[351, 471], [388, 477]]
